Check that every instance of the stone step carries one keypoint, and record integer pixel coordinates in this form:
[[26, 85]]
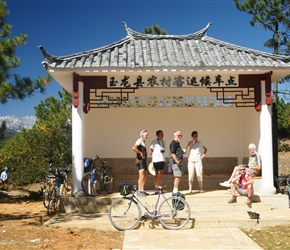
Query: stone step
[[210, 201], [236, 219], [209, 209], [219, 207]]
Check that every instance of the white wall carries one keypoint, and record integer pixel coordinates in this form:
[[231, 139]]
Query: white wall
[[111, 132]]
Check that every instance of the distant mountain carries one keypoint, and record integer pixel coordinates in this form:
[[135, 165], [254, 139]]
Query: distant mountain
[[17, 123]]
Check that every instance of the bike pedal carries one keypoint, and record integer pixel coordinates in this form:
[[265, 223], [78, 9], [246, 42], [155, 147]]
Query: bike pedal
[[145, 218]]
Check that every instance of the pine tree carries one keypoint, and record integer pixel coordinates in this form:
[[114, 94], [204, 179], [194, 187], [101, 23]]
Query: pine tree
[[273, 16], [155, 30], [28, 154], [13, 86]]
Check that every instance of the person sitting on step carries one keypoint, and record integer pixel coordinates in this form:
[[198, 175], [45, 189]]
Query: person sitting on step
[[243, 183], [254, 165]]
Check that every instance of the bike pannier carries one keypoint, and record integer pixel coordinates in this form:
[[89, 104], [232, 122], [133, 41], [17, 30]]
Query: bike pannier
[[125, 189], [178, 204], [87, 164]]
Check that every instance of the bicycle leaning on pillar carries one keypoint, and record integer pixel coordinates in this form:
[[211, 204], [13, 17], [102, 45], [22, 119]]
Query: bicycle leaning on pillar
[[95, 177]]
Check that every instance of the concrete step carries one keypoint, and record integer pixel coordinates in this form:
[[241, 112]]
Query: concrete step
[[197, 204], [219, 207], [209, 209], [210, 201], [236, 219]]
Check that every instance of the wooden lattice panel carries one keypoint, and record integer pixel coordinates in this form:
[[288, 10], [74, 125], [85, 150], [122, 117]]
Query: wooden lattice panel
[[240, 97]]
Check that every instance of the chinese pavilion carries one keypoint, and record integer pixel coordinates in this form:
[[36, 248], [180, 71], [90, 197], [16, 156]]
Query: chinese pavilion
[[170, 82]]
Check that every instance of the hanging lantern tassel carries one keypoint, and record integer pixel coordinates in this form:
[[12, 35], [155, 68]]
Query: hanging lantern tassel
[[258, 107], [268, 98]]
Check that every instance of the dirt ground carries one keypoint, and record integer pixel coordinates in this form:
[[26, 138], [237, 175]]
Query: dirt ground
[[21, 227], [22, 219]]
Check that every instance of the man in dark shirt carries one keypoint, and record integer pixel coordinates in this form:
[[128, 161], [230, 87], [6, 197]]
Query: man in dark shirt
[[176, 157]]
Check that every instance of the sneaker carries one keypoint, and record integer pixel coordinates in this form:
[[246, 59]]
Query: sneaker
[[201, 191], [188, 192], [249, 201], [142, 194], [225, 184], [232, 200]]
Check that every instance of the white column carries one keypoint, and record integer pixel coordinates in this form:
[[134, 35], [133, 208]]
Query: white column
[[265, 146], [77, 144]]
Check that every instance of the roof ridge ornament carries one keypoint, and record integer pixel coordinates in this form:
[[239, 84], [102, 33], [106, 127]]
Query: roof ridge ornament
[[196, 36]]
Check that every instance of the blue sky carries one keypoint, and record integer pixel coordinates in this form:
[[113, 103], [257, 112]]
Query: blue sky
[[65, 27]]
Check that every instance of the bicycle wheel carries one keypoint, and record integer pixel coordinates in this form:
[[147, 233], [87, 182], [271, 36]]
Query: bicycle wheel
[[91, 186], [108, 181], [51, 201], [45, 199], [171, 217], [124, 213]]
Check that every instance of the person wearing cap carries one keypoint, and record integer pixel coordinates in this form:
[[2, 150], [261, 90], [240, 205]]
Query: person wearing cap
[[157, 150], [254, 166], [242, 183], [141, 161], [4, 178], [175, 159]]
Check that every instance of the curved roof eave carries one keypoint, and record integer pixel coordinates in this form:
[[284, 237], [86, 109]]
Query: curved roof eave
[[143, 51]]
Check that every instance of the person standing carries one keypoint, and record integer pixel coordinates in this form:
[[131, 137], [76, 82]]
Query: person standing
[[157, 150], [4, 178], [176, 157], [195, 147], [141, 161]]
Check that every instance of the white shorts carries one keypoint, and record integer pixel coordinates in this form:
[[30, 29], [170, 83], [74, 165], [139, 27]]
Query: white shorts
[[195, 166]]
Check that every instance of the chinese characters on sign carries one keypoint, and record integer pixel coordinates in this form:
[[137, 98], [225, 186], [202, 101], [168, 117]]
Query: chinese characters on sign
[[167, 81]]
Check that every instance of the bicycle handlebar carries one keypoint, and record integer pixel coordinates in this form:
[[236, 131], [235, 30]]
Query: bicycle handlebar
[[57, 171]]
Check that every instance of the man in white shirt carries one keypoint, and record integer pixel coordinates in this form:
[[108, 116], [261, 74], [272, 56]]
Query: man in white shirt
[[157, 150]]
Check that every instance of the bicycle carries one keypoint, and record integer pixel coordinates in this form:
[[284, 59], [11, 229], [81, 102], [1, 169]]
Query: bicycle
[[47, 187], [56, 188], [97, 177], [125, 212], [284, 184]]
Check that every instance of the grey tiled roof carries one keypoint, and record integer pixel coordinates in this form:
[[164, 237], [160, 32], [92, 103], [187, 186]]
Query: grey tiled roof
[[141, 51]]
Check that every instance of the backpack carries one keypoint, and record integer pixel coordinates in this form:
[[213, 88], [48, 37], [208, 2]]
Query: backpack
[[178, 204], [87, 164]]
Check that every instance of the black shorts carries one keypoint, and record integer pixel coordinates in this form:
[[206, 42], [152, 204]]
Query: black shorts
[[159, 165], [142, 165]]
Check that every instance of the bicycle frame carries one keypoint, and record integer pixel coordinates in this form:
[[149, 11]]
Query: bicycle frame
[[126, 212], [102, 173], [152, 214]]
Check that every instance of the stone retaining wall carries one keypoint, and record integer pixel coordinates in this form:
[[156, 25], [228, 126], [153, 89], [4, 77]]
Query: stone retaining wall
[[211, 165]]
